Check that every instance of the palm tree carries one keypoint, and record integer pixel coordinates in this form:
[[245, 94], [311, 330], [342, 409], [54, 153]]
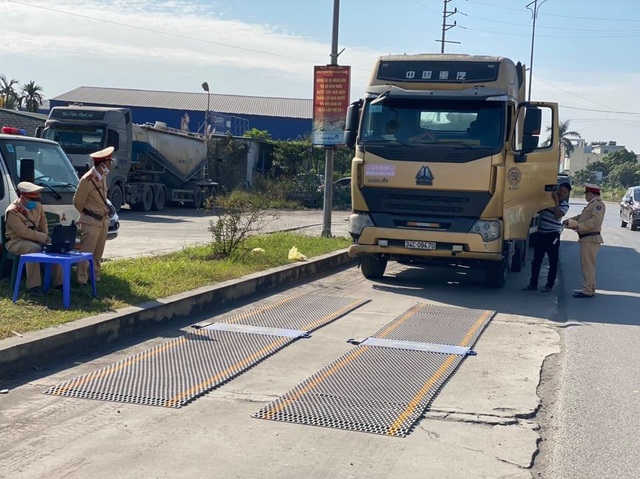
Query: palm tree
[[32, 96], [565, 135], [566, 146], [8, 95]]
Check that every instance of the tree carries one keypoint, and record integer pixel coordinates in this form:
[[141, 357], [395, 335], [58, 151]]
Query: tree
[[257, 134], [31, 96], [10, 99], [565, 137], [625, 174]]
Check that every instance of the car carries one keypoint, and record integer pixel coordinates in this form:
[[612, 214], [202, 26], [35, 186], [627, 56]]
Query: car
[[630, 208], [342, 183], [114, 222]]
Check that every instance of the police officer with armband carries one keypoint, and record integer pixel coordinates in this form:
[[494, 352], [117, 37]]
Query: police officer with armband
[[27, 231], [91, 201], [588, 225]]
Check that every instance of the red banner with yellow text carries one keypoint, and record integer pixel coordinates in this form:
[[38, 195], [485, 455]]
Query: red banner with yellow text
[[330, 103]]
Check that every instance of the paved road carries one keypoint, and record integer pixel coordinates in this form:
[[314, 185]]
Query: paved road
[[486, 422], [480, 425], [174, 228], [592, 390]]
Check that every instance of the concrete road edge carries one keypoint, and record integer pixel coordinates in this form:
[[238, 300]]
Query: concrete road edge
[[39, 347]]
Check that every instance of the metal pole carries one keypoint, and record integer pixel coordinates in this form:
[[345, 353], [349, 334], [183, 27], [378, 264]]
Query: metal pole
[[444, 25], [330, 150], [534, 13]]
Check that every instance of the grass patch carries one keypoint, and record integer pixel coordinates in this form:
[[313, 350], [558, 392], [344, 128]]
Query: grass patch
[[127, 282]]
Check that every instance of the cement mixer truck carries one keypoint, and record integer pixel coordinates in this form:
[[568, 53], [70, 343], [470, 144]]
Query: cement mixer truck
[[156, 165]]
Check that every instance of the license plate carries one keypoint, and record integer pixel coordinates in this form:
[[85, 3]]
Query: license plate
[[420, 244]]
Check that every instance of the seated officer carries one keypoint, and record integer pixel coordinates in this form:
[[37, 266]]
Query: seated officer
[[27, 231]]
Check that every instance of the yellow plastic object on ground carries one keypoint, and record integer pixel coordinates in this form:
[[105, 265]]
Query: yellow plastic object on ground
[[296, 255]]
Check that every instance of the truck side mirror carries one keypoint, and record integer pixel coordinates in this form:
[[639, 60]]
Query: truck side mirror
[[531, 130], [351, 124]]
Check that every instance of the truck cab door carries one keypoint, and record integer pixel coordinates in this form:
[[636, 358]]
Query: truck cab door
[[531, 168]]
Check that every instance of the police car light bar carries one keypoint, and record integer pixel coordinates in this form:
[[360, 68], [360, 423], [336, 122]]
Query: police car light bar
[[9, 130]]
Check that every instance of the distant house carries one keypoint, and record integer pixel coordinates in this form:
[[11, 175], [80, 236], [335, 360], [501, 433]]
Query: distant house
[[283, 118], [585, 153]]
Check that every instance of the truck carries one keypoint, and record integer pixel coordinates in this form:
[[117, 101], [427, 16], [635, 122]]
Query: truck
[[43, 162], [451, 164], [155, 165]]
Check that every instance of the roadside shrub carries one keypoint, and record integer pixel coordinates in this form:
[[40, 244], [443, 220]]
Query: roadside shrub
[[239, 214]]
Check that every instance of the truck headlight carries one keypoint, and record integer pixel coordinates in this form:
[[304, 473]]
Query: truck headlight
[[489, 230], [358, 222]]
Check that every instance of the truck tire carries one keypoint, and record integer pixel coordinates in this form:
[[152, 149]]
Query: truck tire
[[198, 198], [146, 200], [495, 274], [205, 196], [159, 199], [116, 196], [372, 266], [632, 225], [518, 259]]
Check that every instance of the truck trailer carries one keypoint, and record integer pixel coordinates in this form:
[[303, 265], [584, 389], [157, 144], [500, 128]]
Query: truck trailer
[[451, 164], [155, 165]]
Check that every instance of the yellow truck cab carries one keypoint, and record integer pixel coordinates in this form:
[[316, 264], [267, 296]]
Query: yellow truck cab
[[451, 164]]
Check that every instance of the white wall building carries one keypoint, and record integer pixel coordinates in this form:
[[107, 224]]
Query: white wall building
[[585, 153]]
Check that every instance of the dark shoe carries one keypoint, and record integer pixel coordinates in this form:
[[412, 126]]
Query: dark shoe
[[59, 287], [530, 287], [580, 294], [547, 289], [35, 291]]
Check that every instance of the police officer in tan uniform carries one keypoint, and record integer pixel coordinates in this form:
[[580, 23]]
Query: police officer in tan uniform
[[27, 231], [91, 201], [588, 225]]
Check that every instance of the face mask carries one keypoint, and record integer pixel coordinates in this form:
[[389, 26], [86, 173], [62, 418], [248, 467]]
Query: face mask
[[31, 204], [105, 170]]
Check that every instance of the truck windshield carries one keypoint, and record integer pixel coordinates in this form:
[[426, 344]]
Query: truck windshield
[[427, 122], [52, 167], [80, 139]]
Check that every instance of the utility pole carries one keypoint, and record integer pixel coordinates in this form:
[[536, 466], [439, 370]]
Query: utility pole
[[534, 14], [446, 14], [330, 150]]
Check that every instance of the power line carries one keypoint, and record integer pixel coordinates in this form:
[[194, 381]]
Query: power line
[[573, 17], [548, 28], [617, 112], [150, 30], [591, 37]]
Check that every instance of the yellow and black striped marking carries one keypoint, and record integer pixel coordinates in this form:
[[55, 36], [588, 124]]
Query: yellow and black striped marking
[[384, 390], [176, 372]]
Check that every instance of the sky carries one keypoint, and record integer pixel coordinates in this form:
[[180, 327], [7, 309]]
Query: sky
[[585, 52]]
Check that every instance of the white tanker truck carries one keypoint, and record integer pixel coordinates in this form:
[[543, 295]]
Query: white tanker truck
[[155, 166]]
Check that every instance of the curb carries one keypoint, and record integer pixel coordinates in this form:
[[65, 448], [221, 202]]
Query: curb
[[39, 347]]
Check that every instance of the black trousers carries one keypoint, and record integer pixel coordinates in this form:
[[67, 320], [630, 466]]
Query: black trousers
[[549, 244]]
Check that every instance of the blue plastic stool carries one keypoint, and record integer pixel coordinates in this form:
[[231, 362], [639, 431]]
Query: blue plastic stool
[[65, 260]]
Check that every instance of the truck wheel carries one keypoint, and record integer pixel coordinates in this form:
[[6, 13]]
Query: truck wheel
[[146, 200], [373, 266], [116, 196], [205, 196], [495, 274], [198, 198], [159, 199], [517, 261]]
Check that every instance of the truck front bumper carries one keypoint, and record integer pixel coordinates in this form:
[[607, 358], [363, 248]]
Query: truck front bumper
[[392, 243]]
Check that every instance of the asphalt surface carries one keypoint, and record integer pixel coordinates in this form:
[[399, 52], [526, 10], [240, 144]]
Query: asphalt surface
[[553, 391], [591, 391]]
